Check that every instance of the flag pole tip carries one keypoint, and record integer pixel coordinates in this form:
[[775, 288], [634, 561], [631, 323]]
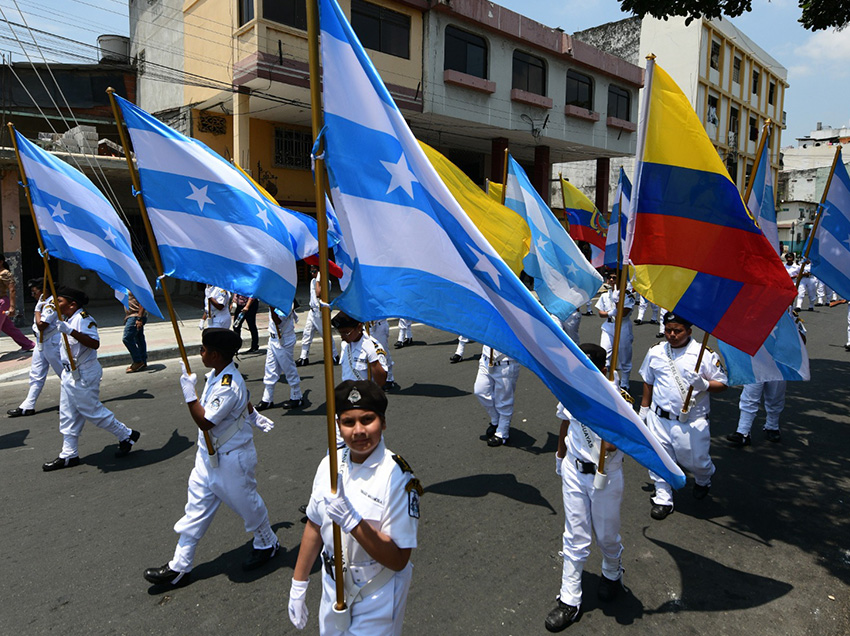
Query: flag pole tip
[[651, 56], [110, 90]]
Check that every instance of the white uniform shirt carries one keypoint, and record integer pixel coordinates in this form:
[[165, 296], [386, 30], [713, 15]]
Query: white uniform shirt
[[357, 356], [224, 399], [314, 293], [384, 493], [490, 356], [287, 325], [217, 317], [48, 315], [793, 269], [666, 393], [84, 324], [608, 303], [583, 443]]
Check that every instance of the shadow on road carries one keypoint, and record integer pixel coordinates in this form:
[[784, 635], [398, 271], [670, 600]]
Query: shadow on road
[[500, 484], [15, 439], [106, 461], [432, 390], [141, 394]]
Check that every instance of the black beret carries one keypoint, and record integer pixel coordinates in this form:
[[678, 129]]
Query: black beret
[[360, 394], [36, 282], [224, 340], [671, 317], [74, 295], [343, 321]]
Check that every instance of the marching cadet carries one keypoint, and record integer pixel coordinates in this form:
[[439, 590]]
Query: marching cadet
[[495, 385], [280, 360], [46, 354], [380, 330], [643, 305], [808, 287], [361, 354], [227, 476], [591, 502], [376, 506], [667, 372], [607, 306], [80, 389], [457, 356], [405, 333], [314, 321], [216, 308]]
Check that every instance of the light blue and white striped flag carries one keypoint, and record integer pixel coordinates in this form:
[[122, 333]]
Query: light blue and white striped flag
[[417, 255], [618, 223], [211, 223], [78, 224], [342, 257], [830, 253], [563, 278], [762, 201]]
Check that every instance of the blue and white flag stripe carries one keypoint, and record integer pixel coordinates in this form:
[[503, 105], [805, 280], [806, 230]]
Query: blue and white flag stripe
[[830, 253], [211, 223], [762, 201], [342, 255], [418, 256], [78, 224], [563, 278], [613, 258]]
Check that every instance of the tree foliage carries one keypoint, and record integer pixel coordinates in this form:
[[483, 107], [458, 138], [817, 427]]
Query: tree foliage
[[816, 14]]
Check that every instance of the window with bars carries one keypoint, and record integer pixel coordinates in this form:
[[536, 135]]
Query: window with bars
[[771, 93], [465, 52], [714, 61], [381, 29], [579, 90], [529, 73], [755, 82], [292, 148], [619, 103], [736, 70], [289, 12]]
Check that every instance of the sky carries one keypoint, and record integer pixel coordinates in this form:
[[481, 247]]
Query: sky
[[816, 62]]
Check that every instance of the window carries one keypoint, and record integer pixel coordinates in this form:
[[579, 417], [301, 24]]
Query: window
[[619, 103], [771, 93], [292, 148], [733, 127], [465, 52], [714, 61], [736, 70], [381, 29], [529, 73], [289, 12], [754, 129], [579, 90], [245, 10], [140, 62], [711, 116], [755, 82]]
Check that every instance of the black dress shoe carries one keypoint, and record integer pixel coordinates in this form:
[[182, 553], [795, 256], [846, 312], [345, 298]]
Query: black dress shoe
[[254, 350], [336, 360], [399, 344], [608, 589], [293, 404], [659, 335], [495, 440], [638, 321], [455, 358], [18, 412], [772, 435], [262, 406], [302, 509], [738, 439], [166, 576], [61, 462], [302, 362], [491, 431], [561, 617], [660, 512], [408, 342], [653, 322], [259, 558], [390, 386], [126, 446], [701, 492]]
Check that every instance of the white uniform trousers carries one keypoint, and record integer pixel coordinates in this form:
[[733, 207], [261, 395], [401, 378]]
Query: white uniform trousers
[[807, 287], [589, 509], [405, 331], [280, 360], [462, 341], [688, 444], [312, 326], [380, 331], [624, 357], [571, 324], [79, 401], [774, 402], [379, 614], [644, 303], [494, 388], [848, 323], [232, 482], [44, 358], [824, 291]]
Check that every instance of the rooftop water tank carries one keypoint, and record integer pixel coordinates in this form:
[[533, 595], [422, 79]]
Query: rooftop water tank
[[114, 48]]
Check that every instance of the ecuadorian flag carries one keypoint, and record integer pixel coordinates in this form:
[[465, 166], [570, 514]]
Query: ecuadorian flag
[[695, 248], [586, 222]]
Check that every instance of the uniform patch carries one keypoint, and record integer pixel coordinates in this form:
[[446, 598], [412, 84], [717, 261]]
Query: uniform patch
[[627, 396], [414, 492], [405, 467], [227, 380], [380, 351], [84, 314]]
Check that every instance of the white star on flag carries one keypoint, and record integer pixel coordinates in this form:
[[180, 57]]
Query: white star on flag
[[541, 244], [402, 177], [199, 196], [58, 211], [110, 235], [484, 265], [263, 215], [847, 241], [572, 269]]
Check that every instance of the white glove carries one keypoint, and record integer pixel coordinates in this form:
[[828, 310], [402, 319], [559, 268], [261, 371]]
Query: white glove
[[644, 411], [201, 324], [558, 463], [699, 383], [340, 510], [259, 421], [187, 383], [64, 327], [298, 612]]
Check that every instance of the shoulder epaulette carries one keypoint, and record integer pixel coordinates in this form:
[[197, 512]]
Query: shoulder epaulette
[[627, 396], [709, 349], [405, 467], [414, 484], [226, 380], [84, 314]]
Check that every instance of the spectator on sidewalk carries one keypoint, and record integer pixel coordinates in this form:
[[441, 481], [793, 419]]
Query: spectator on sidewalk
[[135, 317], [245, 310], [7, 308]]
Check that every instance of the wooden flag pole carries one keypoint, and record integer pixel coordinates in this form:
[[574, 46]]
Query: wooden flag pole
[[505, 177], [686, 405], [322, 220], [137, 186], [749, 189], [48, 277], [44, 289]]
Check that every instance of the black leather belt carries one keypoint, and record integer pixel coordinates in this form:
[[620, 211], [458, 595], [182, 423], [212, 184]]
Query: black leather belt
[[499, 363], [662, 413], [586, 468]]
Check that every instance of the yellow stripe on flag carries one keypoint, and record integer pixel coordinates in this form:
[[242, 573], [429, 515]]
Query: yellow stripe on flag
[[575, 199], [505, 230], [262, 190], [670, 281], [495, 191]]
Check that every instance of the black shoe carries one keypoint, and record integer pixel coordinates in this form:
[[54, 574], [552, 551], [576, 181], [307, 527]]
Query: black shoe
[[60, 462], [495, 440], [336, 360], [588, 313], [126, 446], [408, 342], [561, 617], [254, 350], [847, 347], [660, 512], [166, 576], [659, 335], [738, 439], [18, 412], [262, 406], [491, 431], [260, 557], [302, 362], [811, 308], [818, 304], [772, 435], [390, 386], [701, 492], [455, 358], [302, 509], [638, 321], [608, 589], [293, 404], [654, 322], [398, 344]]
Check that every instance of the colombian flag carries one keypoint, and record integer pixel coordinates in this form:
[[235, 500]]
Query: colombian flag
[[586, 223], [695, 248]]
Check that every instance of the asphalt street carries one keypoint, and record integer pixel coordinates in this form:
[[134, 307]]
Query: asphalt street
[[767, 553]]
